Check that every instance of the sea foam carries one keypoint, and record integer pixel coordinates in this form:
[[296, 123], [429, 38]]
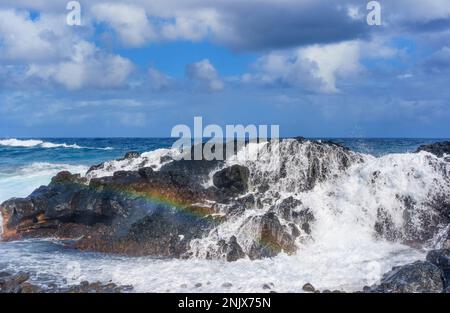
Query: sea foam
[[32, 143]]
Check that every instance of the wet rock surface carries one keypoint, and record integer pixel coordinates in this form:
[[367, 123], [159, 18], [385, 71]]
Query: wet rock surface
[[232, 250], [441, 258], [234, 179], [439, 148], [273, 237], [135, 213], [308, 288], [430, 276], [418, 277], [19, 283], [419, 226]]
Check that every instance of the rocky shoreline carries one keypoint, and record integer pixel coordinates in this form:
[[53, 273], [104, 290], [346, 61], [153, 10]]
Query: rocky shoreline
[[19, 283], [164, 212]]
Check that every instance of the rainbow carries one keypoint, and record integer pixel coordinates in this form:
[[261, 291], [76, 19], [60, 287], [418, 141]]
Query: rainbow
[[163, 196]]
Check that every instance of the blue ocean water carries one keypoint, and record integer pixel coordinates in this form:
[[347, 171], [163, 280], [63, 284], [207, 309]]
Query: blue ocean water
[[75, 151]]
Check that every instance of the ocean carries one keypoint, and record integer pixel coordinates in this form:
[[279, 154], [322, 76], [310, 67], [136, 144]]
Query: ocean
[[26, 164]]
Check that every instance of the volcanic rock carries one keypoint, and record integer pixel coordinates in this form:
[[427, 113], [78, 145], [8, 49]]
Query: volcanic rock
[[439, 148], [418, 277], [234, 179]]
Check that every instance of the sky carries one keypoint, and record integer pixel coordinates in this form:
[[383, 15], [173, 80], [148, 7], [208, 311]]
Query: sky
[[138, 68]]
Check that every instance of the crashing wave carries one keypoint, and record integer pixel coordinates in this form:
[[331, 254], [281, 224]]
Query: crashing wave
[[31, 143], [24, 180], [323, 193], [133, 162]]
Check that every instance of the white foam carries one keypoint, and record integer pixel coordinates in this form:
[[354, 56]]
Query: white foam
[[344, 250], [30, 143], [325, 269], [25, 180], [20, 143], [154, 159]]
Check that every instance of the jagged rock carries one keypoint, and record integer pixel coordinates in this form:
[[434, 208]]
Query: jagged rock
[[441, 258], [232, 250], [97, 287], [26, 287], [418, 277], [12, 283], [319, 161], [128, 156], [131, 155], [248, 202], [233, 179], [286, 207], [385, 226], [121, 214], [18, 283], [273, 237], [292, 209], [419, 226], [439, 148]]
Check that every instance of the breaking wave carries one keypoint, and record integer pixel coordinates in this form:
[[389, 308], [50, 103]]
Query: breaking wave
[[154, 159], [31, 143], [24, 180], [367, 213]]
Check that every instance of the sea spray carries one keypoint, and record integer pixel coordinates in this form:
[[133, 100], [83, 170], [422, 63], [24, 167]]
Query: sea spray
[[154, 159], [26, 179], [359, 202]]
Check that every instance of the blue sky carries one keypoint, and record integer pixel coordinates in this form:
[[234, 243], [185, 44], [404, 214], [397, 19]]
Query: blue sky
[[138, 68]]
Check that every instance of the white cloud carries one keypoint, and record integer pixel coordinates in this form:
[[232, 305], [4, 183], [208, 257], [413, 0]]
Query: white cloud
[[44, 47], [250, 24], [130, 22], [205, 73], [87, 67], [195, 26], [332, 61], [24, 39], [314, 67]]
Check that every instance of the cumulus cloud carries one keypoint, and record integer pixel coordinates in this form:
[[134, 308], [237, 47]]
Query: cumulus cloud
[[313, 68], [43, 49], [241, 25], [205, 73], [252, 24], [193, 26], [130, 22], [23, 39], [87, 67]]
